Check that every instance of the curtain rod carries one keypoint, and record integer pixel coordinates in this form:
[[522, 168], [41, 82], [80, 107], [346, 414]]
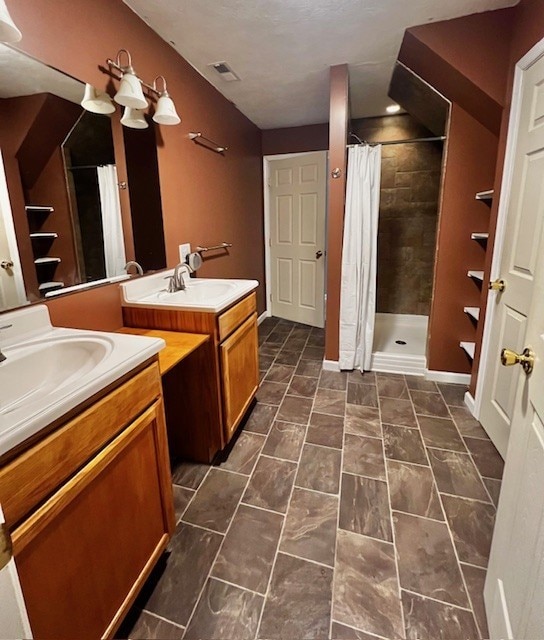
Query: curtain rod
[[387, 142]]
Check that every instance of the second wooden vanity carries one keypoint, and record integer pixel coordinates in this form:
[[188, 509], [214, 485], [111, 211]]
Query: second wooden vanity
[[222, 376]]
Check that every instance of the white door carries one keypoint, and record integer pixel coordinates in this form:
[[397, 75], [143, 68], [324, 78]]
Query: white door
[[12, 291], [13, 617], [514, 589], [297, 201], [517, 261]]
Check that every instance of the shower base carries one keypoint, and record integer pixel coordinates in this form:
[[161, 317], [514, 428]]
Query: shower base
[[399, 344]]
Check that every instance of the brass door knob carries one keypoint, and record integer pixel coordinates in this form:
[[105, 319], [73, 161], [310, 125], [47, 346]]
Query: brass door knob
[[497, 285], [526, 359], [6, 264]]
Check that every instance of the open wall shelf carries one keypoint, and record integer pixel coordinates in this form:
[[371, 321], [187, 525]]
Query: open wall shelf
[[469, 348], [477, 275], [473, 312], [485, 196]]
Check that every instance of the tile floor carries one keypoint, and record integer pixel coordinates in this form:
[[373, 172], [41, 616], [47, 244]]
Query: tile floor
[[350, 507]]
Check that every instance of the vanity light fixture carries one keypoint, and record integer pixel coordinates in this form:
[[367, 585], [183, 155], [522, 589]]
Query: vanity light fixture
[[393, 108], [97, 101], [130, 93], [165, 112], [134, 119], [8, 30]]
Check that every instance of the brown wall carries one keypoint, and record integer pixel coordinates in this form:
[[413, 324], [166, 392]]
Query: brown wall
[[207, 198], [314, 137]]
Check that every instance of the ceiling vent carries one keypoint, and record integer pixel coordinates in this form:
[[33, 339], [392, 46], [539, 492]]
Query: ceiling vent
[[224, 71]]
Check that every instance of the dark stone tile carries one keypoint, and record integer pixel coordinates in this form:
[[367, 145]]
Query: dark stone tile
[[419, 383], [392, 387], [269, 349], [280, 373], [366, 587], [149, 627], [271, 484], [285, 440], [261, 418], [455, 473], [494, 489], [398, 412], [192, 552], [247, 555], [363, 421], [189, 474], [440, 433], [294, 409], [471, 524], [364, 456], [243, 456], [316, 340], [265, 362], [429, 404], [412, 490], [334, 380], [288, 357], [362, 394], [403, 444], [295, 343], [364, 507], [319, 469], [325, 430], [475, 580], [216, 500], [225, 611], [341, 632], [299, 601], [357, 377], [310, 526], [271, 392], [454, 394], [427, 562], [313, 353], [467, 423], [486, 457], [330, 401], [182, 497], [433, 620], [302, 386], [310, 368]]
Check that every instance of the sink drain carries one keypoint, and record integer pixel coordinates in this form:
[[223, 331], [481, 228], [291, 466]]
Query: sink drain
[[400, 342]]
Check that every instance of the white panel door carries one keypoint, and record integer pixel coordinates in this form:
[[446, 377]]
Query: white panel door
[[518, 261], [514, 589], [297, 196]]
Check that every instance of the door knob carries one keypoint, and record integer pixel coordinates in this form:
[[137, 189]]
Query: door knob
[[318, 254], [497, 285], [6, 264], [526, 359]]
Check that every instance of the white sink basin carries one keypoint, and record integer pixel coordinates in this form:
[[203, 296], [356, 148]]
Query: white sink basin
[[209, 295], [49, 370]]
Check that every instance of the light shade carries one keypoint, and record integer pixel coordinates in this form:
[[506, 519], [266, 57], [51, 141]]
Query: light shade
[[134, 119], [166, 113], [130, 92], [8, 30], [97, 101], [393, 108]]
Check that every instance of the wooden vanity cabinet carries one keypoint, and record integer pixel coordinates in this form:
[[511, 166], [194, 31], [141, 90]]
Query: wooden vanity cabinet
[[93, 509], [232, 377]]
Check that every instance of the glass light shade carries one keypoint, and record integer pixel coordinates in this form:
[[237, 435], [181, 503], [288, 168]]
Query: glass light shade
[[8, 30], [134, 119], [97, 101], [166, 113], [130, 92]]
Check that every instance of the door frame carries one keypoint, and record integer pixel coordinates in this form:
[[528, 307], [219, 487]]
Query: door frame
[[266, 198], [536, 52]]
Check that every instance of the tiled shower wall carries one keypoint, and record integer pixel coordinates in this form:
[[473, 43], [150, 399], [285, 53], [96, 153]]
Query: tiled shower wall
[[410, 185]]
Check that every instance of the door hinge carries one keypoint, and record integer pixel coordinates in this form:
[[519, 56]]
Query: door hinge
[[6, 546]]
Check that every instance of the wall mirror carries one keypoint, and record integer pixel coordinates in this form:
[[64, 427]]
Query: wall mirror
[[62, 224]]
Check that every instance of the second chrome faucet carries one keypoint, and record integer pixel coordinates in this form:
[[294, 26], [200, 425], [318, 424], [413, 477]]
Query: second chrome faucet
[[176, 281]]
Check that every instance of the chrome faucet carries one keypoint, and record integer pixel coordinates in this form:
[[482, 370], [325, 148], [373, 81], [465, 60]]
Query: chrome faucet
[[2, 356], [176, 281], [138, 266]]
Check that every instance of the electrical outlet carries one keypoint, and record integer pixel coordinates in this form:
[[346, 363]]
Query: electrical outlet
[[184, 251]]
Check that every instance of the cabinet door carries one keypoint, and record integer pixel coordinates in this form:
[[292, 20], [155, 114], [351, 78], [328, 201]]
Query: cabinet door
[[240, 373], [84, 554]]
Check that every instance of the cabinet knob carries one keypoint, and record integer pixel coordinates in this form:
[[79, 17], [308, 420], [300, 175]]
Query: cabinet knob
[[525, 359]]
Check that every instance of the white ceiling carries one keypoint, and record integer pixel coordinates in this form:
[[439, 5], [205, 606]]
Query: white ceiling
[[282, 49]]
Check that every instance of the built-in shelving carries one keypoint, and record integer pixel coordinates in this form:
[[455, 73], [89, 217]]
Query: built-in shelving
[[469, 348], [48, 286], [40, 208], [473, 312], [486, 196], [477, 275], [479, 236], [47, 260], [44, 234]]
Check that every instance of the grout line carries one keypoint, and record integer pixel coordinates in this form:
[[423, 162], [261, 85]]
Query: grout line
[[267, 455], [349, 626], [456, 495], [361, 475], [199, 526], [321, 493], [254, 506], [156, 615], [293, 555], [416, 515], [449, 604], [233, 584]]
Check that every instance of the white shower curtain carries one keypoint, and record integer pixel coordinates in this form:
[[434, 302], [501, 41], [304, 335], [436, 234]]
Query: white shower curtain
[[114, 245], [359, 254]]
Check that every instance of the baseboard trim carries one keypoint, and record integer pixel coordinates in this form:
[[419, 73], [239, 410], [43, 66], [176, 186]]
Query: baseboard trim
[[397, 363], [331, 365], [469, 401], [263, 316], [448, 377]]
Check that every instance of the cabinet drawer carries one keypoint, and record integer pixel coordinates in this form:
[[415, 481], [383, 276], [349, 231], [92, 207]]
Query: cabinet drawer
[[233, 317], [32, 476]]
